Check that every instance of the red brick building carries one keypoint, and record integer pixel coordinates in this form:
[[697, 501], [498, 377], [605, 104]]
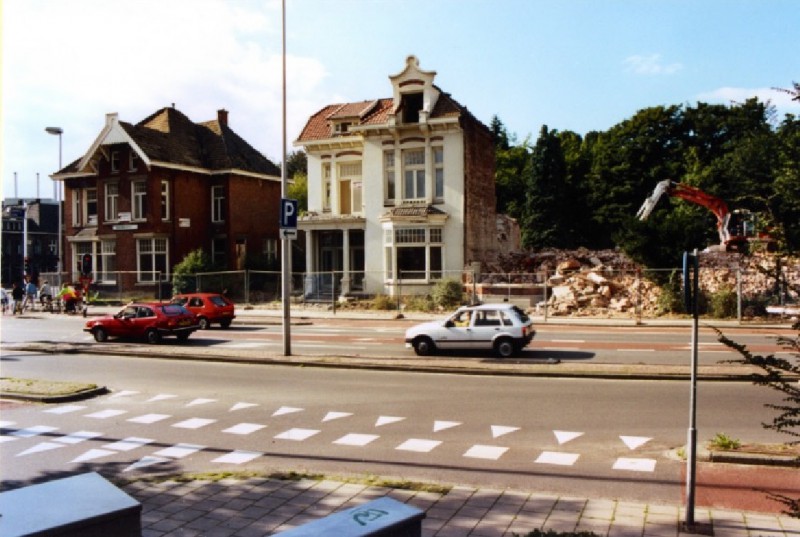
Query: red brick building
[[143, 196]]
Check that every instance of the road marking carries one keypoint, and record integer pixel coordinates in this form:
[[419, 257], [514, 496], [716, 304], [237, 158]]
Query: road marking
[[336, 415], [635, 465], [355, 439], [386, 420], [479, 451], [38, 448], [239, 406], [146, 461], [105, 414], [93, 454], [500, 430], [565, 436], [179, 451], [78, 437], [129, 444], [238, 456], [286, 410], [245, 345], [634, 442], [149, 418], [635, 350], [4, 424], [193, 423], [560, 459], [419, 445], [66, 409], [297, 434], [201, 401], [123, 393], [442, 425], [244, 428], [161, 397], [36, 430]]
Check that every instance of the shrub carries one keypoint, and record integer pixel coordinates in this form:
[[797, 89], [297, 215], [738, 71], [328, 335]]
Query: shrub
[[723, 441], [448, 293], [384, 302], [183, 274], [723, 303]]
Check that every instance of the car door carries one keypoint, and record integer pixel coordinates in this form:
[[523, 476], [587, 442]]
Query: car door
[[455, 332], [486, 324], [143, 320]]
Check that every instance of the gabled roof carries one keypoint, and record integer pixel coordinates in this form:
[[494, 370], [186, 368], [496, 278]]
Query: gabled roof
[[168, 138], [319, 125]]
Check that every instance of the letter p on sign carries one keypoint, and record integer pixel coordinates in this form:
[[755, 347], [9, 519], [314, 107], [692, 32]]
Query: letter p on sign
[[288, 214]]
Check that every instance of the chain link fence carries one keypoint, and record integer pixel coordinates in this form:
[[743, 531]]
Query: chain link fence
[[601, 292]]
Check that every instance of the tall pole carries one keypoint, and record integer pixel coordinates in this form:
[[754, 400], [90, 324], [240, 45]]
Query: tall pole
[[59, 194], [286, 262], [691, 267]]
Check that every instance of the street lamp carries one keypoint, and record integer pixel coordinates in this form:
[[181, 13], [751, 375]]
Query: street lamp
[[58, 131]]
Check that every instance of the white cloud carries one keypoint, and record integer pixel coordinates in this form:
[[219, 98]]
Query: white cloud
[[782, 101], [650, 65], [69, 63]]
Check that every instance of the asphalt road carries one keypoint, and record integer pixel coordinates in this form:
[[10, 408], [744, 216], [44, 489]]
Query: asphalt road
[[609, 343], [600, 437]]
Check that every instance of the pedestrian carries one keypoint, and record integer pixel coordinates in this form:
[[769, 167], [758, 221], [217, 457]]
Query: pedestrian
[[69, 297], [30, 294], [17, 295], [46, 296], [4, 299]]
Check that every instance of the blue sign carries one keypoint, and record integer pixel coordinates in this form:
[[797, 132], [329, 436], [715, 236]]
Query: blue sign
[[288, 214]]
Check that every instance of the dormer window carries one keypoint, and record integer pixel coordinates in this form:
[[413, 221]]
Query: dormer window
[[342, 127], [412, 104], [133, 161]]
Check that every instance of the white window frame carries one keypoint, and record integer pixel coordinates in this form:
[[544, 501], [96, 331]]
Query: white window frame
[[270, 249], [218, 204], [157, 250], [427, 238], [164, 201], [106, 262], [414, 173], [351, 171], [77, 207], [139, 199], [115, 162], [112, 201], [90, 204], [326, 186], [438, 173], [133, 161], [389, 177]]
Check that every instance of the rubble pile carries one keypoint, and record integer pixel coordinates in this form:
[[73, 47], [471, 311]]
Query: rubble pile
[[607, 283]]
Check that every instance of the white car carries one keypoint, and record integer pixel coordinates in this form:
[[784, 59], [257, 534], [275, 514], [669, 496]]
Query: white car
[[503, 328]]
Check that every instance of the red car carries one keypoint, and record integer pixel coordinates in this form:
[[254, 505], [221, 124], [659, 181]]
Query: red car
[[208, 307], [149, 320]]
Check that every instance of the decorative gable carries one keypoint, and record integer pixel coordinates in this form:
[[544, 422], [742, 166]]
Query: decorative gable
[[414, 94]]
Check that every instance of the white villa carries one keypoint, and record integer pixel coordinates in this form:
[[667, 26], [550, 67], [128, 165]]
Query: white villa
[[401, 191]]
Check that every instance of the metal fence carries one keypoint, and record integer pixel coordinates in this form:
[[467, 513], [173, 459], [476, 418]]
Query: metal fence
[[585, 292]]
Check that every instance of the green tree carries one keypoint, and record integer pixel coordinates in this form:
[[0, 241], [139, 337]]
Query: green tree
[[183, 274], [543, 220], [298, 190]]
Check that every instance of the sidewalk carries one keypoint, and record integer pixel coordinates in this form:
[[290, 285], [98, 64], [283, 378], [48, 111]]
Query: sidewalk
[[263, 506]]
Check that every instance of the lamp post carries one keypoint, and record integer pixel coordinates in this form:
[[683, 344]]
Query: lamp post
[[58, 131]]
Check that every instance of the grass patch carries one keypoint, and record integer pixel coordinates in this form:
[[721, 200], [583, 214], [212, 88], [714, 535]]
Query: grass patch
[[37, 387], [368, 480], [724, 442]]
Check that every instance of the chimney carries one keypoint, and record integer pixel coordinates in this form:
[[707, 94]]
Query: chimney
[[222, 116]]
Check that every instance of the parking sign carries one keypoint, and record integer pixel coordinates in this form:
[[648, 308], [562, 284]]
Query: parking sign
[[288, 214]]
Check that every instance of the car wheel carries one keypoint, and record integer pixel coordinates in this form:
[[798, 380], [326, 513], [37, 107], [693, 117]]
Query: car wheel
[[183, 337], [423, 346], [505, 348], [153, 337], [226, 323], [100, 335], [203, 323]]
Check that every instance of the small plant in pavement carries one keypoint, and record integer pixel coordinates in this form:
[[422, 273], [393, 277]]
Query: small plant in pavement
[[725, 442]]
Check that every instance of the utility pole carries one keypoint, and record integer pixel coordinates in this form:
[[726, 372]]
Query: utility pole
[[286, 244]]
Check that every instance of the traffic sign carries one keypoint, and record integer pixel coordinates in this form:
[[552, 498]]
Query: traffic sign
[[287, 233], [288, 214]]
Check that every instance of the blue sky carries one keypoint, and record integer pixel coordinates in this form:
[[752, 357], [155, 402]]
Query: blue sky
[[576, 65]]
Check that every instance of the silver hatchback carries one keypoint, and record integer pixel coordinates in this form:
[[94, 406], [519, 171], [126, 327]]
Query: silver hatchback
[[502, 328]]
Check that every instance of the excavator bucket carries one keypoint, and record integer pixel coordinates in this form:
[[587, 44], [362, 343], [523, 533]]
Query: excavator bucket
[[650, 203]]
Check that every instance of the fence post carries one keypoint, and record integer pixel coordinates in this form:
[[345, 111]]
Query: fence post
[[739, 294], [247, 286], [333, 291]]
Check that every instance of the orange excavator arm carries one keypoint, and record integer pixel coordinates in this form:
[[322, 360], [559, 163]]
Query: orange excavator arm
[[691, 194]]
